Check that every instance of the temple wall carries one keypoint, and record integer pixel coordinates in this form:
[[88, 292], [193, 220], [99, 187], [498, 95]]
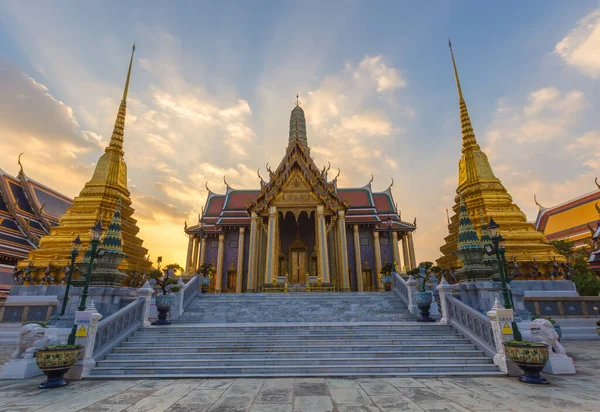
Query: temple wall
[[212, 249], [230, 253], [367, 252], [385, 249], [351, 257]]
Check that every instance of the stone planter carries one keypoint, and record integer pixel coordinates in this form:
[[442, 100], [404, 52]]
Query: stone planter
[[55, 362], [531, 358], [386, 281], [423, 301], [163, 305], [204, 284]]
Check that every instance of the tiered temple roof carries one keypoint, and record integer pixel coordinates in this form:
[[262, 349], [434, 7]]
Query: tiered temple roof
[[28, 210]]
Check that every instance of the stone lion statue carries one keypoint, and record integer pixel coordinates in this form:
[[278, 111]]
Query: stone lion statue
[[31, 338], [542, 331]]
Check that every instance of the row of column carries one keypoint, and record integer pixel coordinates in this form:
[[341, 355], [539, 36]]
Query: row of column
[[263, 248]]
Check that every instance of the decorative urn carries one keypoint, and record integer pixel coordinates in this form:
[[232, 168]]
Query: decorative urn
[[531, 357], [163, 305], [55, 361], [423, 301]]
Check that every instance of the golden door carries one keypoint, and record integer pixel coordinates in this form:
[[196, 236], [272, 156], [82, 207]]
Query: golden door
[[367, 281], [231, 281], [298, 259]]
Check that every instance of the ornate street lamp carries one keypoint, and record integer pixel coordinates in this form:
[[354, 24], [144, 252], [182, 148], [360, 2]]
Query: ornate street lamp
[[74, 253], [498, 249], [96, 235]]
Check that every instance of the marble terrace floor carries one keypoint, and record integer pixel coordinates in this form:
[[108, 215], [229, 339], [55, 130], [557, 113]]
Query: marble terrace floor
[[579, 392]]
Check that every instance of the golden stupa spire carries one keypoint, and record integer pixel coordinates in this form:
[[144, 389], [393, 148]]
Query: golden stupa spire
[[116, 140], [468, 136]]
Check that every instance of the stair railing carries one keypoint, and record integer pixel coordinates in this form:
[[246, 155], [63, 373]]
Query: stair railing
[[117, 327], [187, 293], [405, 290]]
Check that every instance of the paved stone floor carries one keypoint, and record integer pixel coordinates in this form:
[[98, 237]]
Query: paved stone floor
[[580, 392]]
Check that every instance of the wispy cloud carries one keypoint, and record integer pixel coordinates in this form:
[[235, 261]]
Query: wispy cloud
[[580, 48]]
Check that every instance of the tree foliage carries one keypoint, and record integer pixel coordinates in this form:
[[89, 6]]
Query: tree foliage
[[586, 282], [165, 278]]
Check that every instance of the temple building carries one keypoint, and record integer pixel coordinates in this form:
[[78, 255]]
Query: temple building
[[574, 220], [28, 211], [299, 226], [97, 200], [485, 196]]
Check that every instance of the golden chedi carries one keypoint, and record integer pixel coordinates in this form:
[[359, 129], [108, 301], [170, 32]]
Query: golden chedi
[[485, 195], [97, 199]]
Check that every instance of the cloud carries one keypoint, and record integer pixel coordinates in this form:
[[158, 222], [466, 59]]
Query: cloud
[[372, 68], [581, 47]]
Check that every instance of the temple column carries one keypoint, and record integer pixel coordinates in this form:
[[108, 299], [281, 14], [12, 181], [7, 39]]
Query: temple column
[[411, 246], [240, 261], [188, 261], [405, 259], [202, 259], [377, 247], [396, 251], [322, 239], [195, 254], [220, 256], [252, 253], [271, 264], [343, 248], [357, 259]]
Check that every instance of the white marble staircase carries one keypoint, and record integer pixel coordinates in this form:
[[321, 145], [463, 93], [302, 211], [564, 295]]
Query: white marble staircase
[[328, 334]]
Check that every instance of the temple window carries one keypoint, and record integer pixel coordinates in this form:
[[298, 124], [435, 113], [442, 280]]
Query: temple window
[[384, 241], [214, 244], [233, 244], [364, 242]]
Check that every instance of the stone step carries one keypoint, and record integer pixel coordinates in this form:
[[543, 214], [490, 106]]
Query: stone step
[[288, 337], [252, 341], [261, 370], [291, 348], [296, 355], [132, 363]]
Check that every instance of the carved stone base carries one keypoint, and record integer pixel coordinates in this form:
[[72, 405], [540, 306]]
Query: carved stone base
[[560, 365], [20, 369]]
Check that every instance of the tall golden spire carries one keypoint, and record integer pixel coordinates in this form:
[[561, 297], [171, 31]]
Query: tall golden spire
[[468, 136], [116, 140]]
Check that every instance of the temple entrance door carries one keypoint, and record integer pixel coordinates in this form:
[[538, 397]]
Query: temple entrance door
[[367, 280], [298, 259]]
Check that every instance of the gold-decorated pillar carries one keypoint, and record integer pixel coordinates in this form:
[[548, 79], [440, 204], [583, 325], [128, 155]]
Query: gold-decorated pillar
[[343, 251], [411, 249], [202, 252], [252, 253], [357, 259], [220, 256], [188, 261], [195, 254], [396, 251], [405, 258], [377, 247], [322, 240], [240, 261], [271, 263]]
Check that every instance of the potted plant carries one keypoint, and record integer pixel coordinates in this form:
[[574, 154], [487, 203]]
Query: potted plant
[[206, 270], [55, 361], [531, 357], [553, 322], [166, 281], [386, 275], [423, 297]]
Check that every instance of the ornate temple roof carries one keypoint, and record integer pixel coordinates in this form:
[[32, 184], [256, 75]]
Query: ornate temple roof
[[573, 220], [362, 205], [28, 210]]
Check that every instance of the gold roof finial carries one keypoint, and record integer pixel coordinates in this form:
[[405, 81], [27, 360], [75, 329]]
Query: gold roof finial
[[116, 140], [297, 100], [468, 136], [20, 165]]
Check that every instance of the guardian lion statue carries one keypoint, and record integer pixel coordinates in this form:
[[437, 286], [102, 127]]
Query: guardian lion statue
[[31, 339], [542, 331]]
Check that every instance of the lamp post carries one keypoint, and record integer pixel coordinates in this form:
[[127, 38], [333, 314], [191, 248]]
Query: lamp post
[[74, 253], [498, 249], [96, 234]]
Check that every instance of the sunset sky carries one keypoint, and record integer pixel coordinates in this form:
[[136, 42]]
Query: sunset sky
[[213, 84]]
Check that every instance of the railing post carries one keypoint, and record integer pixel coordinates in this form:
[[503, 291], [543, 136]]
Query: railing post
[[146, 292], [412, 289], [177, 309], [500, 357], [444, 289], [82, 367]]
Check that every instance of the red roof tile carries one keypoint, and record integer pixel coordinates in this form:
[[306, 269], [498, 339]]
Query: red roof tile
[[237, 199], [215, 205], [356, 197], [383, 203]]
